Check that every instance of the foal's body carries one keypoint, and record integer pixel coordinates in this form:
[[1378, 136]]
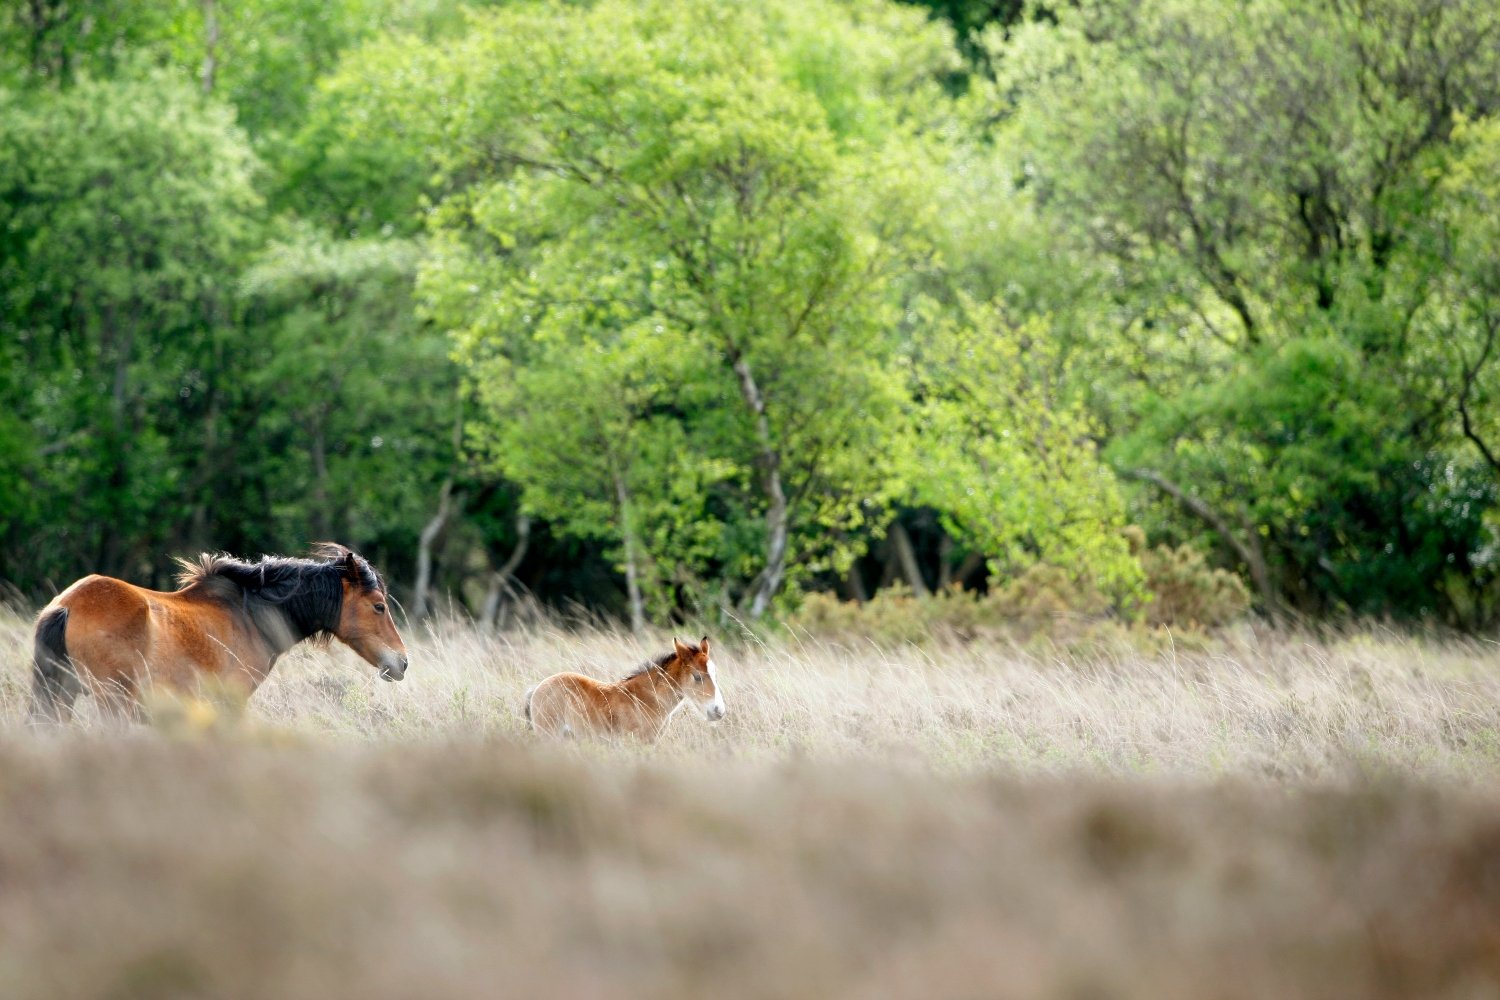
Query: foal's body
[[230, 622], [570, 704]]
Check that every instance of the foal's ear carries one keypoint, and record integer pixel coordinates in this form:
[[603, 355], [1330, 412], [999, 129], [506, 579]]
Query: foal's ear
[[704, 645], [681, 650]]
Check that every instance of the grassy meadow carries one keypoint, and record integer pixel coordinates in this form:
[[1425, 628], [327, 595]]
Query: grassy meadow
[[1265, 816]]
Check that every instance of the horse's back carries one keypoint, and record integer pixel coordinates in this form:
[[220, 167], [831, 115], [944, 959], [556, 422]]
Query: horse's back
[[104, 603], [120, 634], [561, 703], [106, 630]]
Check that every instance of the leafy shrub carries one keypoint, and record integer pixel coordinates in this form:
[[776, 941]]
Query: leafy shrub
[[1044, 604], [896, 616], [1040, 604], [1042, 597], [1188, 592]]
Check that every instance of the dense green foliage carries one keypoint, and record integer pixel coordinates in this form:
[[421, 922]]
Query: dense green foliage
[[1293, 311], [676, 309]]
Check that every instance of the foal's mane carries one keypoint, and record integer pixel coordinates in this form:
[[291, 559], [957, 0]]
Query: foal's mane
[[281, 592], [660, 662]]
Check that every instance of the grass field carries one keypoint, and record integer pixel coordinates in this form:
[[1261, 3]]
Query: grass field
[[1276, 817]]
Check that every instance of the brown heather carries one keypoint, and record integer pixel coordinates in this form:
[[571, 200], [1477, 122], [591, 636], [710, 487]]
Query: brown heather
[[1269, 816]]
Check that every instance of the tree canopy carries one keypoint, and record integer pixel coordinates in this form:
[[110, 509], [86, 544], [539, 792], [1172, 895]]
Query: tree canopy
[[686, 309]]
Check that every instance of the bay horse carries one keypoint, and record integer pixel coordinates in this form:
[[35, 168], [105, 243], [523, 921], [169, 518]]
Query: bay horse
[[569, 704], [230, 620]]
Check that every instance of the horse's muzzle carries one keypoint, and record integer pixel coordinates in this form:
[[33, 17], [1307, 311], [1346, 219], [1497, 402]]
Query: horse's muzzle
[[393, 668], [714, 713]]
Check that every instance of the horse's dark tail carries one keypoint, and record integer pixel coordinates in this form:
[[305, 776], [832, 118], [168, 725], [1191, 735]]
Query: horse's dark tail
[[53, 683], [529, 723]]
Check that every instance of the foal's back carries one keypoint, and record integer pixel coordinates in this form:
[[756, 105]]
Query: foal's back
[[569, 704]]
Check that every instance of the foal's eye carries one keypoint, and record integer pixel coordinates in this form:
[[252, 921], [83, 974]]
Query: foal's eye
[[697, 678], [380, 609]]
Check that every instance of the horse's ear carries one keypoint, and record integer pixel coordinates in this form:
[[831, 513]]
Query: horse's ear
[[681, 650], [351, 567], [704, 645]]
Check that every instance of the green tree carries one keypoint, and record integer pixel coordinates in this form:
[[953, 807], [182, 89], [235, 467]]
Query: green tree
[[125, 209], [352, 402], [972, 20], [1263, 183], [1467, 320], [600, 449], [729, 197], [52, 42], [1008, 457]]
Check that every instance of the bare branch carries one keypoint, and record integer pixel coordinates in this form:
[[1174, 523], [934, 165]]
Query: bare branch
[[1247, 549]]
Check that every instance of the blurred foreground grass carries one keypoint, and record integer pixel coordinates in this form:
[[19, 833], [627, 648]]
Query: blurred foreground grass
[[135, 867], [1271, 818]]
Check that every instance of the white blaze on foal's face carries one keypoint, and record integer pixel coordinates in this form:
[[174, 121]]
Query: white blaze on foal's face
[[701, 681], [714, 710]]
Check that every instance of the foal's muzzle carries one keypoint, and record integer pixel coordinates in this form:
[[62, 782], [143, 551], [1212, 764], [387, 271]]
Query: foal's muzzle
[[714, 713], [393, 667]]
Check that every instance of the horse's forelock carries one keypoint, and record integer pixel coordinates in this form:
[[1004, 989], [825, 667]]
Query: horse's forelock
[[333, 552], [368, 578]]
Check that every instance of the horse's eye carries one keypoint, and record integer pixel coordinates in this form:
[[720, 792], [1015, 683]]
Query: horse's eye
[[697, 678], [380, 609]]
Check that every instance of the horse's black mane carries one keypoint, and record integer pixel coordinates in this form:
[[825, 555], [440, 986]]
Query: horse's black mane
[[659, 662], [289, 598]]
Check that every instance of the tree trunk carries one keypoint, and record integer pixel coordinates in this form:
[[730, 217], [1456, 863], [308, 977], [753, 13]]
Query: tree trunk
[[890, 565], [434, 528], [210, 44], [906, 556], [319, 452], [632, 579], [207, 467], [210, 463], [420, 604], [854, 584], [499, 586], [973, 562], [111, 546], [768, 583], [45, 18]]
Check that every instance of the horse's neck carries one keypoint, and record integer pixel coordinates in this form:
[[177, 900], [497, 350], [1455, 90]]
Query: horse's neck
[[303, 614], [311, 611], [277, 627], [653, 689]]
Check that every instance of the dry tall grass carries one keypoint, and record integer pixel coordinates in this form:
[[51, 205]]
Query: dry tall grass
[[1275, 818], [1257, 705]]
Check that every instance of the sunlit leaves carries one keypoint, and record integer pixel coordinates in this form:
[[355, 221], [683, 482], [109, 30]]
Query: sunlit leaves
[[711, 191], [1007, 457]]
